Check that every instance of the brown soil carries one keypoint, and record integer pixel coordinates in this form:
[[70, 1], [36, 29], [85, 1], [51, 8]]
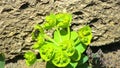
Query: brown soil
[[17, 18]]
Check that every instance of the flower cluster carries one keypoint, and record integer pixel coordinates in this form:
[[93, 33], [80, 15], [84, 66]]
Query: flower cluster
[[65, 48]]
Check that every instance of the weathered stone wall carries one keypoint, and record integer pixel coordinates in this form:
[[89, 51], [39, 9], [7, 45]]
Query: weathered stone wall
[[17, 18]]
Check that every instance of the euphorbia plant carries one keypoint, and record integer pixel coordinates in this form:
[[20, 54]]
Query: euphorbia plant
[[65, 48]]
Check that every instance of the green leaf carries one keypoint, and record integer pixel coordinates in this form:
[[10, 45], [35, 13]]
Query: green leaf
[[30, 58], [63, 20], [73, 35], [60, 59], [50, 21], [47, 51], [64, 34], [83, 66], [61, 35], [77, 41], [2, 60], [57, 36], [81, 47], [50, 65], [72, 65], [83, 59], [76, 56], [85, 35]]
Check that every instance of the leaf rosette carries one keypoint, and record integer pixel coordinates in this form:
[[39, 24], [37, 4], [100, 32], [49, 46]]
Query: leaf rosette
[[65, 48]]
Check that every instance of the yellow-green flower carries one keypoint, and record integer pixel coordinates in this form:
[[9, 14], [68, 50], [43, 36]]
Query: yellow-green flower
[[63, 20]]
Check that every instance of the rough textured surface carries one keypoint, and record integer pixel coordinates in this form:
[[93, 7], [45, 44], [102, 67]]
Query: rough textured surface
[[22, 64], [17, 18], [105, 56]]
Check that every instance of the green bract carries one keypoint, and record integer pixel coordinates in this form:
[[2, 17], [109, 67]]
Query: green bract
[[65, 48], [60, 58], [30, 58], [39, 43], [47, 51], [68, 47], [63, 20], [85, 35], [37, 32], [50, 21]]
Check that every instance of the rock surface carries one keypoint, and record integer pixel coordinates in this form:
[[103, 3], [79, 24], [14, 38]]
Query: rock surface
[[17, 18]]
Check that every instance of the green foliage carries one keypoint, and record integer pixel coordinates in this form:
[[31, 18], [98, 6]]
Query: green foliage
[[76, 56], [2, 60], [37, 31], [65, 48], [63, 20], [50, 21], [85, 35], [30, 58], [60, 58], [83, 59], [47, 51]]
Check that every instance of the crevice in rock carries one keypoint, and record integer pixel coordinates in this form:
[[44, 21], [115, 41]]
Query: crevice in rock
[[24, 6], [94, 20], [92, 3], [78, 13], [104, 0], [107, 48]]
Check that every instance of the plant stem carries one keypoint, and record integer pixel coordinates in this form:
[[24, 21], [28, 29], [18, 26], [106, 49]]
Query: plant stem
[[50, 39], [59, 34], [68, 29]]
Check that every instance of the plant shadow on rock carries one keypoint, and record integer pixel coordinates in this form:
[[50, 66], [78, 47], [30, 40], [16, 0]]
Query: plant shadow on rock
[[15, 59], [19, 57], [96, 54]]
